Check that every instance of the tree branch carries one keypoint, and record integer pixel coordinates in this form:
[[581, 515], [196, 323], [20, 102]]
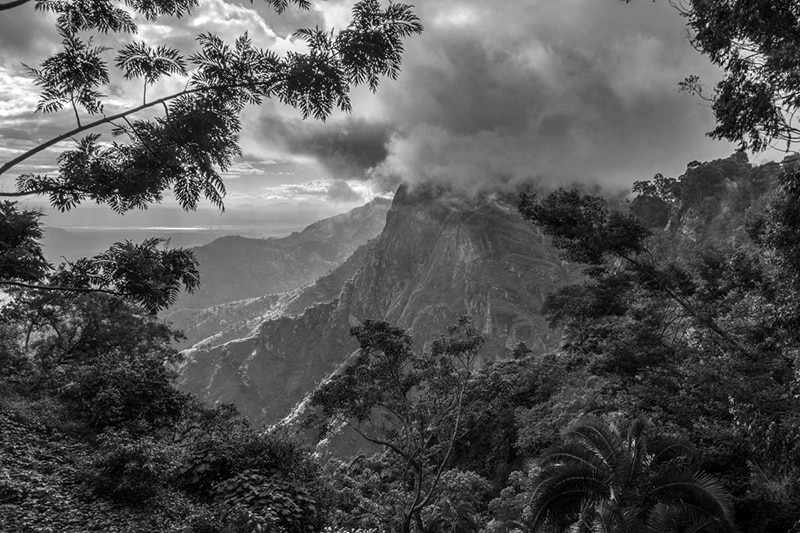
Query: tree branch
[[20, 193], [375, 440], [59, 288], [12, 5], [107, 120], [446, 457]]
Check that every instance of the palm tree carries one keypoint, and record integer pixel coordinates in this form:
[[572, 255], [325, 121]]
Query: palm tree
[[604, 479]]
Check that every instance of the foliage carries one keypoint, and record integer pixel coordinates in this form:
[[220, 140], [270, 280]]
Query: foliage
[[123, 391], [605, 478], [20, 253], [222, 82], [366, 493], [137, 471], [511, 508], [583, 227], [755, 43], [211, 457], [411, 404], [147, 273], [497, 394], [697, 332], [236, 520], [151, 276], [130, 470], [458, 503], [249, 479], [273, 501], [59, 336]]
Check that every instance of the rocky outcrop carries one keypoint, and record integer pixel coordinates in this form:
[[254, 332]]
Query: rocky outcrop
[[439, 256]]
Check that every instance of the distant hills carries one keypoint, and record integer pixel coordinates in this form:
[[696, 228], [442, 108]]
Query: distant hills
[[235, 268], [439, 256]]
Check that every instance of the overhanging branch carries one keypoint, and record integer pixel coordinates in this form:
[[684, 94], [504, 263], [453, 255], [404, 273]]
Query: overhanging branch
[[59, 288], [109, 119], [12, 5]]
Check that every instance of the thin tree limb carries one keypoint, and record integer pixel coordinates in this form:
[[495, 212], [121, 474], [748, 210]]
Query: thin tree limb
[[12, 5], [59, 288], [109, 119]]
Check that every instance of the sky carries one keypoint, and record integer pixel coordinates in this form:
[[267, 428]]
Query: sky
[[491, 94]]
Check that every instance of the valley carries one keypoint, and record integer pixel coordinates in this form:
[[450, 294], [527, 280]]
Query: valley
[[440, 256]]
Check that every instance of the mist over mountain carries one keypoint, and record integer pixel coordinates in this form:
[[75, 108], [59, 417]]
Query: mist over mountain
[[440, 256]]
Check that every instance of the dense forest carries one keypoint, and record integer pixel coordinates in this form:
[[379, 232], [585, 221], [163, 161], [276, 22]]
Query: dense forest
[[671, 405]]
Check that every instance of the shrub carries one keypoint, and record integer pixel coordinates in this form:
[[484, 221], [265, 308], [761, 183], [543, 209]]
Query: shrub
[[131, 393], [130, 470], [269, 500], [216, 457], [236, 520]]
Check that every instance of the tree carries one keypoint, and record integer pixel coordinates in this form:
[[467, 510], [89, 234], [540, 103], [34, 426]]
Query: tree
[[412, 405], [700, 336], [183, 150], [605, 479], [756, 44]]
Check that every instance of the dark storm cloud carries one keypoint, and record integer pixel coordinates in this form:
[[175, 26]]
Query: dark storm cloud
[[346, 146], [569, 90], [25, 35], [492, 92]]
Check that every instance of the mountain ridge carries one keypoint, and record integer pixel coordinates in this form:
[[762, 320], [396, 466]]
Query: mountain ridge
[[439, 256], [236, 268]]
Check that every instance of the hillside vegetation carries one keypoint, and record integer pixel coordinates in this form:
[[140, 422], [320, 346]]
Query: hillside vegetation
[[669, 404]]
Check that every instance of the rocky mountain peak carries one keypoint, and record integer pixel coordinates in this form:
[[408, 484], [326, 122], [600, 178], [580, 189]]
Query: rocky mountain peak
[[440, 256]]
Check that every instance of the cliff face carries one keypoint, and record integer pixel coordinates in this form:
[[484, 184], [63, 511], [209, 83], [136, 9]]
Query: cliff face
[[439, 256]]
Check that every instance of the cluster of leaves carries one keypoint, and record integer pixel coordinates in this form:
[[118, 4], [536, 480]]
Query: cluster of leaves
[[21, 255], [613, 479], [130, 470], [124, 391], [272, 501], [148, 273], [698, 333], [755, 43]]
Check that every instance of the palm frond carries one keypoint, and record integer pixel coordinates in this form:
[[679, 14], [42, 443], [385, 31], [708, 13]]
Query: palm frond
[[702, 491]]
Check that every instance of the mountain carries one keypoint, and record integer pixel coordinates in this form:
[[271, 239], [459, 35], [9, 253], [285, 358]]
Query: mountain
[[234, 320], [439, 256], [239, 268]]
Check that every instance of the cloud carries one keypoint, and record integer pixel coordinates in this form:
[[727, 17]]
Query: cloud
[[492, 93], [324, 190], [340, 192], [345, 147], [561, 91], [26, 36]]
